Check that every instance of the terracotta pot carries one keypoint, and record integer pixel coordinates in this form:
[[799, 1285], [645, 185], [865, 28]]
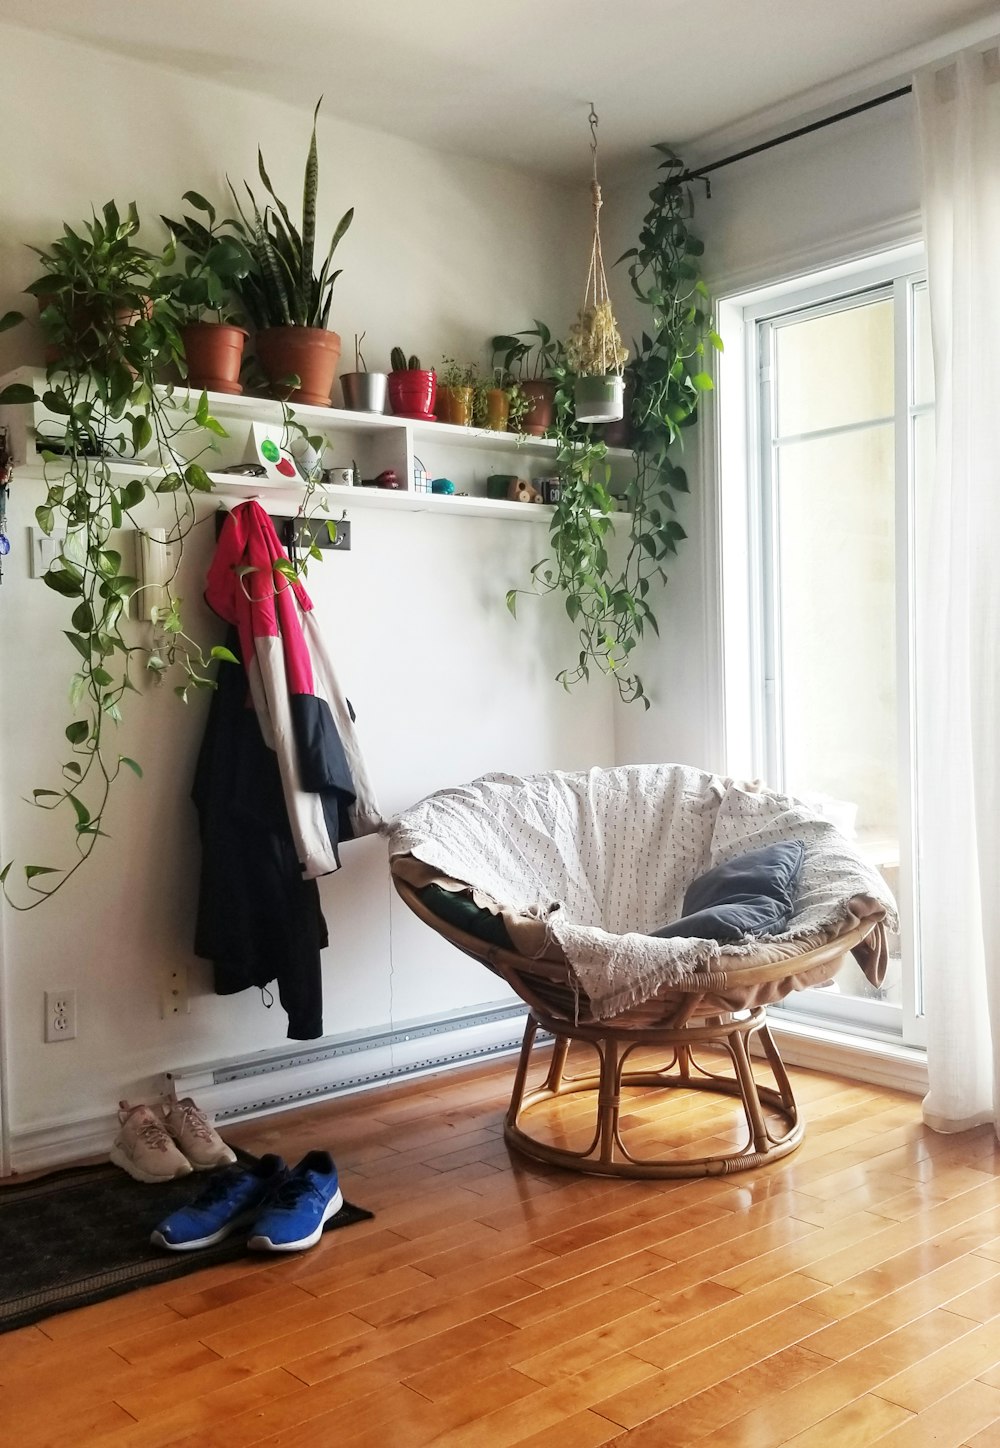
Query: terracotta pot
[[497, 409], [412, 393], [214, 352], [541, 396], [82, 318], [309, 353], [442, 403]]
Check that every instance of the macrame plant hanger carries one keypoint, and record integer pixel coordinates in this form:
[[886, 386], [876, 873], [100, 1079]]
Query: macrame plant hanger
[[595, 350]]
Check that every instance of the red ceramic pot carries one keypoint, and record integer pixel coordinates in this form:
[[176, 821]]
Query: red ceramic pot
[[412, 393]]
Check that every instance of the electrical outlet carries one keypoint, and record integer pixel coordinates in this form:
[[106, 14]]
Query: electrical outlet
[[60, 1015]]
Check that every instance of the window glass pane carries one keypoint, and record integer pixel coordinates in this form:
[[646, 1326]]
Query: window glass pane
[[837, 660], [834, 369], [838, 666], [923, 358]]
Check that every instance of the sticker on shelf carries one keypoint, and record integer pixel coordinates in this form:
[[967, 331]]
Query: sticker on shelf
[[264, 446]]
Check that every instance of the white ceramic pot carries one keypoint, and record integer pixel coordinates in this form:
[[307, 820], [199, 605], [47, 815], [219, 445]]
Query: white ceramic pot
[[599, 399]]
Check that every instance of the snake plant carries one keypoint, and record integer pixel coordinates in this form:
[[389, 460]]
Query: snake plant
[[282, 289]]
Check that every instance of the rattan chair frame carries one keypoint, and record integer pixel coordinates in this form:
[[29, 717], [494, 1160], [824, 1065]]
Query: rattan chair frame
[[683, 1021]]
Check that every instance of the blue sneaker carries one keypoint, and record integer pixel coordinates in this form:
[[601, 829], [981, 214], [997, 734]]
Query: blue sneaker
[[231, 1200], [294, 1216]]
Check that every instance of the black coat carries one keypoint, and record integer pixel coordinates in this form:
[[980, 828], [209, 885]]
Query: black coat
[[258, 919]]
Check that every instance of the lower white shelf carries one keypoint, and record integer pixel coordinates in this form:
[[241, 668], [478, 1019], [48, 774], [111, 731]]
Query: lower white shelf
[[386, 499]]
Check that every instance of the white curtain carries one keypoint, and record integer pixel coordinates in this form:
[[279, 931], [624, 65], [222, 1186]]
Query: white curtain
[[958, 596]]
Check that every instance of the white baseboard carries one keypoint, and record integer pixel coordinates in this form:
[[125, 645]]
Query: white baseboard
[[239, 1089], [45, 1147]]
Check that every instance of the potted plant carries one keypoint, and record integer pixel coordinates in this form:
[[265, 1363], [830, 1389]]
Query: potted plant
[[608, 592], [456, 393], [595, 354], [364, 391], [287, 302], [500, 404], [97, 286], [214, 266], [109, 313], [412, 388], [530, 363]]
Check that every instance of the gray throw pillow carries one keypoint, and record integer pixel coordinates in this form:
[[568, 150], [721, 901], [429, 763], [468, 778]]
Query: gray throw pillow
[[753, 894]]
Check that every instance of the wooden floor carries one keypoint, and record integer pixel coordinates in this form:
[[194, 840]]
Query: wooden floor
[[848, 1295]]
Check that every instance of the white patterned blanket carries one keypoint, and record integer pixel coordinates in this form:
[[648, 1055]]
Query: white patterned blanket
[[604, 857]]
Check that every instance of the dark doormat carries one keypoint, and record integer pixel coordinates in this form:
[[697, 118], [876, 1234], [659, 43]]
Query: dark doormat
[[81, 1235]]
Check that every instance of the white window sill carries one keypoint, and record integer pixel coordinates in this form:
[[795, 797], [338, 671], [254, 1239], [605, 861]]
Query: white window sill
[[855, 1057]]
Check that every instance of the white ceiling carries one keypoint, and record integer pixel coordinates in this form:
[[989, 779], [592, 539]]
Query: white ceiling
[[511, 80]]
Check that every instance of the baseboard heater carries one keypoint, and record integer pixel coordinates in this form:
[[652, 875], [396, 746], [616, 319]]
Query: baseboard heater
[[357, 1061]]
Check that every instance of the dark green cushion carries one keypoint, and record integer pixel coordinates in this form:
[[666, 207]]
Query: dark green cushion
[[460, 910]]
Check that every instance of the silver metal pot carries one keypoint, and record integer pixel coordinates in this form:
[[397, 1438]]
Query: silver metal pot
[[365, 391]]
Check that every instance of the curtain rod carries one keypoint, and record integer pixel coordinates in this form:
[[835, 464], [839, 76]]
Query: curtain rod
[[700, 173]]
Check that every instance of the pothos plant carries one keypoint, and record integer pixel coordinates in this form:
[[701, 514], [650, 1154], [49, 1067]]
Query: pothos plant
[[114, 440], [607, 595]]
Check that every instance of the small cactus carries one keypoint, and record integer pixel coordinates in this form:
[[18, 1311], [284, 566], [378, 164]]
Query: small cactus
[[398, 362]]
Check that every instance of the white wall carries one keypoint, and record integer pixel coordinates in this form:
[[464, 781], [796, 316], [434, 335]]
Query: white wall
[[443, 253], [835, 194]]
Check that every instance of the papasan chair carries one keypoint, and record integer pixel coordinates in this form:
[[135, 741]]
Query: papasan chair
[[585, 892]]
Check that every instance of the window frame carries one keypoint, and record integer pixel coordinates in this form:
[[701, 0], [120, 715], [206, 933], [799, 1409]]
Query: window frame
[[749, 617]]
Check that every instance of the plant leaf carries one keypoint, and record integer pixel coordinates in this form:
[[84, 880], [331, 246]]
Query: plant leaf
[[17, 392]]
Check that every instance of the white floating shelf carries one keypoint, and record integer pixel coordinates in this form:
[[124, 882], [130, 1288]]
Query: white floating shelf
[[381, 440]]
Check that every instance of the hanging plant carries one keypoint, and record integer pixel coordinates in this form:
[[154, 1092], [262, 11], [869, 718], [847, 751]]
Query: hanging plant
[[117, 442], [610, 602], [594, 346], [594, 350]]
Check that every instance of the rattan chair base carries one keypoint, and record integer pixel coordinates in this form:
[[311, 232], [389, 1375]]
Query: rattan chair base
[[707, 1010], [607, 1153]]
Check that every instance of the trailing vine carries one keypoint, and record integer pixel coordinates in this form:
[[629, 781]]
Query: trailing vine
[[609, 600], [114, 441]]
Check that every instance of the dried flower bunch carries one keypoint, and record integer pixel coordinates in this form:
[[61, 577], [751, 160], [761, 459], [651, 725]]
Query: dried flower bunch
[[594, 346]]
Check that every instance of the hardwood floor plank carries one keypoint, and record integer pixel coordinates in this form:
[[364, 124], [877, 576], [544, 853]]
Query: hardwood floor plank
[[84, 1426], [582, 1430], [568, 1326], [955, 1418], [920, 1385], [708, 1368], [857, 1425], [192, 1413], [890, 1309], [695, 1417], [545, 1302], [548, 1408], [833, 1389]]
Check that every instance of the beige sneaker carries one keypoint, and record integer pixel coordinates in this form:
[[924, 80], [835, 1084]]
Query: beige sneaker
[[194, 1134], [143, 1147]]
